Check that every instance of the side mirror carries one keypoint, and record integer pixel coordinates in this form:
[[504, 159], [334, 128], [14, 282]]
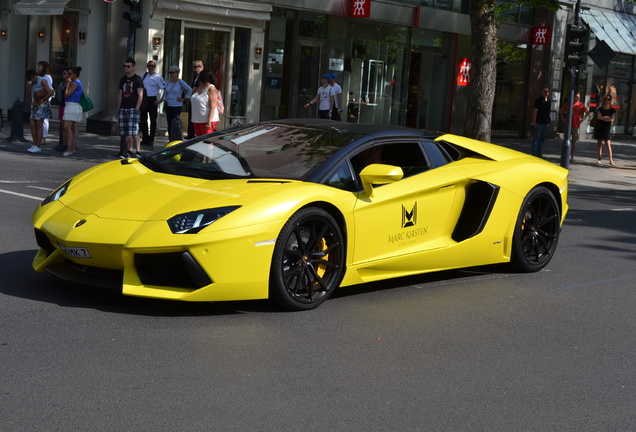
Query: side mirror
[[379, 174]]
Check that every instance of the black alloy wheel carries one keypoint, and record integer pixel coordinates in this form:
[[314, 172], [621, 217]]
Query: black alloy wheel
[[536, 231], [308, 261]]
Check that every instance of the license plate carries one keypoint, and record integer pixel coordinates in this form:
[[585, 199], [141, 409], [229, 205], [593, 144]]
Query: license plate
[[75, 252]]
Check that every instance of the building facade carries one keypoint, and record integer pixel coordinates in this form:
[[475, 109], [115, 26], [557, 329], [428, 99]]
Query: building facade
[[402, 62]]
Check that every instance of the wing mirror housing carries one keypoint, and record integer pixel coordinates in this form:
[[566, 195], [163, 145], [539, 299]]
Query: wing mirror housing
[[379, 174]]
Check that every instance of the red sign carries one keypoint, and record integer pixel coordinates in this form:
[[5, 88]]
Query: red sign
[[463, 74], [541, 35], [360, 9]]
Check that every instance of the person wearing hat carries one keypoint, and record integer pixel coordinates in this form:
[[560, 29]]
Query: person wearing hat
[[336, 108], [324, 98]]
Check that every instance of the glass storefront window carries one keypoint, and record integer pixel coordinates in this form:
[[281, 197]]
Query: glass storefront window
[[428, 80], [512, 67], [615, 80], [239, 73], [312, 25], [438, 4], [209, 46], [63, 46], [172, 46], [511, 11], [376, 83]]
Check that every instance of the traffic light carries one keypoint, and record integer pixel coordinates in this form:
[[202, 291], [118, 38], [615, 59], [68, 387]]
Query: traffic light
[[134, 15], [575, 49]]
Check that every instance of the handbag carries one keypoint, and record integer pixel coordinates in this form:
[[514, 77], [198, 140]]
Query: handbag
[[594, 121], [219, 103], [86, 103]]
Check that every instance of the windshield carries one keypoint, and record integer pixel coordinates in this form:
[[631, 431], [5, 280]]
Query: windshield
[[260, 151]]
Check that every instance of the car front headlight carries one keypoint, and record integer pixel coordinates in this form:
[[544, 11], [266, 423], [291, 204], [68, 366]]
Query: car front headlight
[[193, 222], [57, 193]]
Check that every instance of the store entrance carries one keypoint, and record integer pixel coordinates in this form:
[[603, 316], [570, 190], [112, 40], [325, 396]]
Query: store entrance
[[308, 78], [211, 47]]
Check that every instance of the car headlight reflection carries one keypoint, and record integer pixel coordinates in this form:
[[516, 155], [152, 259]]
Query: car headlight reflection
[[57, 193], [193, 222]]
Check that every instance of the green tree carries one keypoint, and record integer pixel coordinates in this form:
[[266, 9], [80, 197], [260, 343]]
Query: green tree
[[484, 61]]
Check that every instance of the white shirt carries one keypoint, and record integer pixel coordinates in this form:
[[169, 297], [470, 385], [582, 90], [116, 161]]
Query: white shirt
[[201, 107], [337, 90], [324, 94], [153, 83]]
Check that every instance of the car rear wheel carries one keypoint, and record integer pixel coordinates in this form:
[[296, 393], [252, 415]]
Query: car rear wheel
[[308, 261], [536, 231]]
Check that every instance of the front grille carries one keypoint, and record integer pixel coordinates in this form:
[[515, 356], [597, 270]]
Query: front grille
[[87, 275], [177, 269]]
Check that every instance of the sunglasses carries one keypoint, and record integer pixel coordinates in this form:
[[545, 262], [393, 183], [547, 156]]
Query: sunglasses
[[173, 72], [151, 66], [127, 66], [198, 66]]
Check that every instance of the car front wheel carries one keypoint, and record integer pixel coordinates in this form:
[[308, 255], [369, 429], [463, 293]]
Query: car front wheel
[[308, 261], [536, 231]]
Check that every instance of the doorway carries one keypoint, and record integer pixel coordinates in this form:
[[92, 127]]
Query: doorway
[[308, 78]]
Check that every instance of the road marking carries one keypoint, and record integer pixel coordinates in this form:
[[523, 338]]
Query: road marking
[[600, 282], [41, 188], [21, 195]]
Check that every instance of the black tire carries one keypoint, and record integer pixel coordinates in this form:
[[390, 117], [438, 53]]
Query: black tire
[[308, 261], [537, 231]]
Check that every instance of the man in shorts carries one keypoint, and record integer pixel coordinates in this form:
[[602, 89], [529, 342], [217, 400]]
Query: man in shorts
[[131, 93]]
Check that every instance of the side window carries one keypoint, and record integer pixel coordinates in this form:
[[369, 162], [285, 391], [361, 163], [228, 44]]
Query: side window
[[436, 156], [342, 178], [406, 155]]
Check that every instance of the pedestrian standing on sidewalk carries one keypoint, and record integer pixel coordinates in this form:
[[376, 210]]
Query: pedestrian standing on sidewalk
[[44, 70], [73, 113], [61, 147], [153, 83], [579, 113], [540, 122], [336, 109], [204, 100], [176, 92], [605, 117], [197, 65], [131, 94], [40, 92]]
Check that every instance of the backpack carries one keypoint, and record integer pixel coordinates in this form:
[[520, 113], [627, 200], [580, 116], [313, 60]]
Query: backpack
[[219, 103]]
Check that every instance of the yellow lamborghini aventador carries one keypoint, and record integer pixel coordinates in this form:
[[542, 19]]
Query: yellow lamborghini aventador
[[290, 210]]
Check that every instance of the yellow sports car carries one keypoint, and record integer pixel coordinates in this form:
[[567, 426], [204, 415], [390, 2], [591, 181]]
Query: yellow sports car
[[290, 210]]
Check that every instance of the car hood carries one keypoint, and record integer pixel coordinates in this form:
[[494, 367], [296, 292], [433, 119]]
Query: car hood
[[130, 191]]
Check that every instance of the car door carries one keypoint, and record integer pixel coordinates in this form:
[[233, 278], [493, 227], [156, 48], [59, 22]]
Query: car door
[[412, 215]]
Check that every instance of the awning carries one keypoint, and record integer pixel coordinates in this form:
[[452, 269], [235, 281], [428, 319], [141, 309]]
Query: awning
[[222, 8], [40, 7], [616, 29]]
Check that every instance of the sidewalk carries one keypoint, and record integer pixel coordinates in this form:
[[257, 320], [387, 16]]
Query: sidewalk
[[584, 171]]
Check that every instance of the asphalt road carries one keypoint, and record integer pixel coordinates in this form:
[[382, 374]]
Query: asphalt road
[[473, 350]]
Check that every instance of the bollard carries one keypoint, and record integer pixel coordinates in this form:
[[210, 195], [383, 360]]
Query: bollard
[[17, 127]]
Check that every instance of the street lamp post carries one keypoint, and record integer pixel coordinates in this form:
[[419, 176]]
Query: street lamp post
[[576, 32]]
